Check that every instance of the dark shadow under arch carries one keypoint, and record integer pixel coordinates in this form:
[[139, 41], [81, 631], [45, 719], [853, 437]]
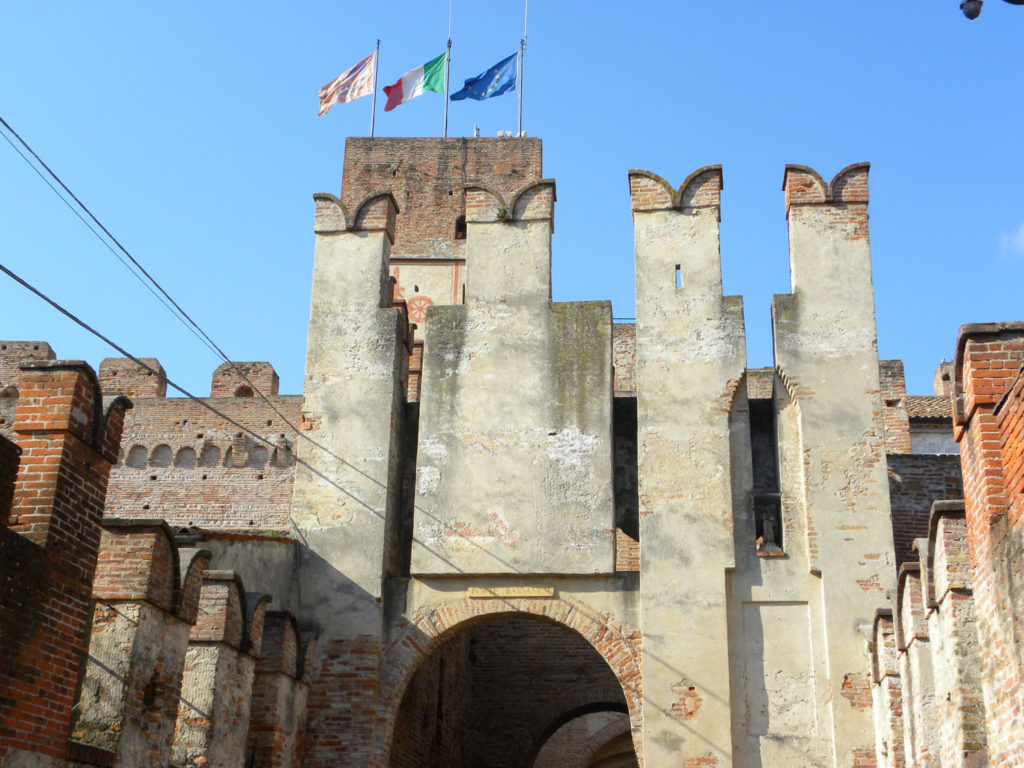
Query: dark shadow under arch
[[568, 717], [563, 649]]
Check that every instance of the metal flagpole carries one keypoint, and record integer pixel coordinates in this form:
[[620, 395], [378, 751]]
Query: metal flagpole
[[522, 62], [373, 110], [447, 61]]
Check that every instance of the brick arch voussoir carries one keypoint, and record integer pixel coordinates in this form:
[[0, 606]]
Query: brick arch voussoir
[[415, 640]]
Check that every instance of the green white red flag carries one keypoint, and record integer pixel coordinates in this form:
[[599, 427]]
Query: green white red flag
[[354, 82], [428, 77]]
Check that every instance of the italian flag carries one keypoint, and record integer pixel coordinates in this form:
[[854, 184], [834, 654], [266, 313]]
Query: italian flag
[[429, 77]]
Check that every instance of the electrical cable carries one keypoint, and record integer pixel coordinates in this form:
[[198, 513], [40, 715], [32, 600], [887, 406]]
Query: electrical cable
[[106, 231], [180, 314], [88, 225], [163, 377]]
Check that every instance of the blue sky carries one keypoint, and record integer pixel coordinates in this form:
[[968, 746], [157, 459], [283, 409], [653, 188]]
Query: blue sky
[[191, 130]]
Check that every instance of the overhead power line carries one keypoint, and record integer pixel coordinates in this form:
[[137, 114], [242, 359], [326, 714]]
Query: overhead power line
[[163, 377], [82, 218], [152, 285], [216, 411], [163, 296]]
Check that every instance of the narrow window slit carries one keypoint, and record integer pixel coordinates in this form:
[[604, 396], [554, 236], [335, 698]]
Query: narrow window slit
[[767, 496]]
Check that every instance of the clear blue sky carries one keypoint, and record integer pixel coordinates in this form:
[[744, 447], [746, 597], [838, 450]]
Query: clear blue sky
[[191, 130]]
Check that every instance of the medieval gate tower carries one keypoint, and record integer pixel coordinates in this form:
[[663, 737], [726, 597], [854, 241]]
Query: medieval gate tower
[[496, 530], [706, 539]]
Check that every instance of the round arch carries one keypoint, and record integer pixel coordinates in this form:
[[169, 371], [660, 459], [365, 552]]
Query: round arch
[[569, 709], [575, 743], [601, 738], [415, 640]]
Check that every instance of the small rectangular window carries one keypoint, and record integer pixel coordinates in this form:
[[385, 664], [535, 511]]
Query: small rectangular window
[[679, 278]]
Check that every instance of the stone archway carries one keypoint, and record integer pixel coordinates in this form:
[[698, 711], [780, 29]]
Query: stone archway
[[574, 743], [417, 642]]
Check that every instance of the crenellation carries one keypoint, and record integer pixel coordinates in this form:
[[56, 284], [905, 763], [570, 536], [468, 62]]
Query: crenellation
[[12, 355], [498, 529], [121, 374], [236, 379], [690, 345]]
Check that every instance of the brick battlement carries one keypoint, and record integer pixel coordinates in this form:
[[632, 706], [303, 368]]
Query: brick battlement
[[12, 355], [188, 466], [650, 192], [483, 501]]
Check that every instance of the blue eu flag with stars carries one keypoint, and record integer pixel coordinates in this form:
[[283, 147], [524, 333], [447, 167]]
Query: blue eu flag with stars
[[497, 80]]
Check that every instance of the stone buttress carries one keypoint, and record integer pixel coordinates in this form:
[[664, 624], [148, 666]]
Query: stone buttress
[[835, 502], [347, 482], [691, 352], [514, 467]]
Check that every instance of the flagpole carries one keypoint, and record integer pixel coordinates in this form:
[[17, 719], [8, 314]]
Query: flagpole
[[522, 62], [373, 109], [447, 61]]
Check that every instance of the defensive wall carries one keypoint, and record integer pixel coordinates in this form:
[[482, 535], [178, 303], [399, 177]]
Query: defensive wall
[[634, 551]]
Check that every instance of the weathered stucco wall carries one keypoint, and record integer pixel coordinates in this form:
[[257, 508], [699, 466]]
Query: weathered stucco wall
[[345, 488], [826, 353], [514, 467], [691, 353]]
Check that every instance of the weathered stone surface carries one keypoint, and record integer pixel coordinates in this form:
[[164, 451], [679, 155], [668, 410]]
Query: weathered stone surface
[[472, 562], [690, 348]]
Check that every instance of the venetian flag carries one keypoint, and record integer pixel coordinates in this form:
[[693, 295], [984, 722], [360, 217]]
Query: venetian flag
[[354, 82], [429, 77]]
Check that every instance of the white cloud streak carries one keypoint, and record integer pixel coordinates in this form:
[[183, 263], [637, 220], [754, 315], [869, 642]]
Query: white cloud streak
[[1013, 243]]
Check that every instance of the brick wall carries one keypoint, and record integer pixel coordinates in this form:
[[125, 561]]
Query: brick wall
[[916, 670], [435, 710], [617, 646], [12, 355], [140, 626], [48, 551], [915, 481], [184, 464], [10, 456], [624, 358], [119, 374], [894, 406], [426, 177], [279, 696], [578, 741], [212, 726], [1011, 434], [244, 380], [506, 684], [986, 392], [627, 499], [342, 702], [527, 677], [953, 629], [887, 694]]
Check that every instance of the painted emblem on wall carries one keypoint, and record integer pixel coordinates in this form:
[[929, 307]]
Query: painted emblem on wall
[[418, 308]]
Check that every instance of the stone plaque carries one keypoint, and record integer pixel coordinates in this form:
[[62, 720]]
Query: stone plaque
[[520, 591]]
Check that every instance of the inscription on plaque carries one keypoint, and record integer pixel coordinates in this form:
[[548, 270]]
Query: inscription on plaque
[[496, 592]]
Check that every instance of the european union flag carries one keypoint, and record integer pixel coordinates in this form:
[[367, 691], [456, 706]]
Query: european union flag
[[495, 81]]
